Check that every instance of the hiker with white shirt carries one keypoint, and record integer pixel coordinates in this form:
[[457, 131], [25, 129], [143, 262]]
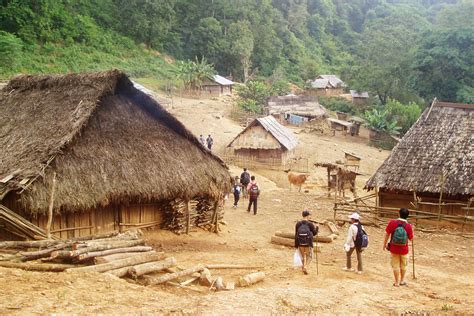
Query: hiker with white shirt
[[356, 240]]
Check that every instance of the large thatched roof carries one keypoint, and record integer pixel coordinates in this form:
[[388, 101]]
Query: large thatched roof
[[107, 142], [439, 148]]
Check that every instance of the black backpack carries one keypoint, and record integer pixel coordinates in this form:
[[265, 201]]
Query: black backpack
[[362, 239], [245, 178], [304, 235]]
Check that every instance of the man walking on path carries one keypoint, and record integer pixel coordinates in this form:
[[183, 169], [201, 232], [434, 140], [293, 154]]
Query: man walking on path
[[304, 233], [350, 246], [399, 232], [201, 140], [254, 192], [210, 142], [245, 180]]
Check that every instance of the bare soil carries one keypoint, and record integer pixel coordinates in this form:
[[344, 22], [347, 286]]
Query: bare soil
[[444, 263]]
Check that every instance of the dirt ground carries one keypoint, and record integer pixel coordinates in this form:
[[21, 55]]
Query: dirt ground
[[444, 263]]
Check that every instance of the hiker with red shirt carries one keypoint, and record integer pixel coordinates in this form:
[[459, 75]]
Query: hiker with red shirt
[[399, 232]]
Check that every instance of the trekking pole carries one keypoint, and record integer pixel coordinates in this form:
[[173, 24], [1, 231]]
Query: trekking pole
[[413, 257], [317, 265]]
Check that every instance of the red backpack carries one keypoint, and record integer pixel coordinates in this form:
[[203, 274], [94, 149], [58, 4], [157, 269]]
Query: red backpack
[[254, 191]]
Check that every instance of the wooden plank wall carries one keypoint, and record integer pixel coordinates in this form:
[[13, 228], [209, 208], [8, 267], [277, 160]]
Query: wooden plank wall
[[403, 200]]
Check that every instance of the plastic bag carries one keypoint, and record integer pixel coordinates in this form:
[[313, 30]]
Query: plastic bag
[[297, 262]]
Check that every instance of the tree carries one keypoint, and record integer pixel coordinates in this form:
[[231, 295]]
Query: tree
[[253, 96], [241, 45], [207, 40], [404, 114], [193, 73], [377, 119]]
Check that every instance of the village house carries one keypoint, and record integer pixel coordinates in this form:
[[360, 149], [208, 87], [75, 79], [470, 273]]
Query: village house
[[325, 85], [359, 98], [265, 140], [295, 110], [434, 161], [114, 158], [217, 86]]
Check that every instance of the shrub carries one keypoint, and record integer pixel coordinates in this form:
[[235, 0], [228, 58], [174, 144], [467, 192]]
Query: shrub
[[253, 96], [404, 114], [378, 120], [337, 104]]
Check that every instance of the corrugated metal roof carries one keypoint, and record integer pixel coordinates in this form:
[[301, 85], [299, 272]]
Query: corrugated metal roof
[[223, 81], [334, 80], [320, 84], [281, 133], [356, 94]]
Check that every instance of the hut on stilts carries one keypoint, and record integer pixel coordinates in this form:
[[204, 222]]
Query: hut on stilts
[[432, 167], [100, 156]]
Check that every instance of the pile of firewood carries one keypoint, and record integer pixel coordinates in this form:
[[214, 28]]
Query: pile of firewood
[[288, 239], [119, 254]]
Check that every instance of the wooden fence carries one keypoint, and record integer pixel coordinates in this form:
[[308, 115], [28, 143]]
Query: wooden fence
[[369, 205]]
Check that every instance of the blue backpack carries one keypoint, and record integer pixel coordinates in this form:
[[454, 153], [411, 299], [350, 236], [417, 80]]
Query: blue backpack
[[362, 239]]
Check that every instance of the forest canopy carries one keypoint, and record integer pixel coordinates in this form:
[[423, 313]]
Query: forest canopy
[[405, 50]]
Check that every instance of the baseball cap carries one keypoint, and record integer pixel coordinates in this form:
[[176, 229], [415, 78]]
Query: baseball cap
[[354, 216], [306, 213]]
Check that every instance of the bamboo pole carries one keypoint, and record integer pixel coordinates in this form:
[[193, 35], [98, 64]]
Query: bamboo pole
[[440, 198], [50, 208], [188, 217]]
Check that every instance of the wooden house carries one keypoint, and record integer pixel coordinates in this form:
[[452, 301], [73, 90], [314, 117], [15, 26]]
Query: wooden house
[[217, 85], [265, 140], [359, 98], [433, 162], [114, 158], [325, 85], [295, 110]]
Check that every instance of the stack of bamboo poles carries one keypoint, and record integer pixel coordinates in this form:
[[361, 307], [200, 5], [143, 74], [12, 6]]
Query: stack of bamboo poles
[[19, 226]]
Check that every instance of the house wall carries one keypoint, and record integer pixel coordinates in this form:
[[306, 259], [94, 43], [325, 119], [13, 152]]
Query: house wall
[[96, 221], [216, 90], [256, 137], [399, 200], [264, 156], [324, 92]]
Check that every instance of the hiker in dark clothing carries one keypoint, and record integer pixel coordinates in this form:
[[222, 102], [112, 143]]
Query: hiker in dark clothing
[[236, 190], [210, 142], [304, 233], [245, 180], [254, 192]]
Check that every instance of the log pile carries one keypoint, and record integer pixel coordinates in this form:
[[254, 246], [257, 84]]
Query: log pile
[[121, 255], [288, 239], [202, 213]]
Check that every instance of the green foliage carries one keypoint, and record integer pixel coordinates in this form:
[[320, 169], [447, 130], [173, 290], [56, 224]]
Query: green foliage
[[10, 51], [193, 73], [337, 104], [404, 114], [253, 96], [378, 119], [280, 87]]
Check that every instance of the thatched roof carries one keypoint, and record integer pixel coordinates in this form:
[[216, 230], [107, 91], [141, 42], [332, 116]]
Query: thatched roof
[[283, 136], [439, 145], [107, 141], [307, 106]]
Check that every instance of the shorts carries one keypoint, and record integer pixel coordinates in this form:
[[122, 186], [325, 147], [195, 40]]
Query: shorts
[[399, 262]]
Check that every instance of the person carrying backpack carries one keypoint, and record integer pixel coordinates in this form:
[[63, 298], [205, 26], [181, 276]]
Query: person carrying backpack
[[254, 192], [399, 232], [304, 233], [236, 191], [245, 180], [356, 240]]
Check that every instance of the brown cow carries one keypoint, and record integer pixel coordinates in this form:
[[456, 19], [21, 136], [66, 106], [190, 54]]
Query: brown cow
[[297, 179]]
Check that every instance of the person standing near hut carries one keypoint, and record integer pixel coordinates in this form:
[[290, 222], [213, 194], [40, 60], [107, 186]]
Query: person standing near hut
[[350, 245], [399, 232], [245, 180], [210, 142], [254, 192], [304, 233], [236, 190]]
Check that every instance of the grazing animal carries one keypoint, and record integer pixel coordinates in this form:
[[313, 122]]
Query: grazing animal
[[297, 179]]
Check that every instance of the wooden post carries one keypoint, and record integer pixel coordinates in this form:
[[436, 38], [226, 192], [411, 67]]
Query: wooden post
[[415, 203], [50, 208], [440, 198], [188, 217], [329, 182], [467, 213], [377, 202]]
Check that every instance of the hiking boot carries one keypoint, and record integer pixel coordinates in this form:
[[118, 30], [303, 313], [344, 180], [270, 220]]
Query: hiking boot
[[348, 269], [305, 271], [359, 272]]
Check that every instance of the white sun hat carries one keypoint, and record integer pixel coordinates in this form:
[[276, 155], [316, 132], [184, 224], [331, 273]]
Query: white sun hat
[[354, 216]]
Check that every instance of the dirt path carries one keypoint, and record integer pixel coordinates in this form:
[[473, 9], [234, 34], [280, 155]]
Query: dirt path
[[444, 263]]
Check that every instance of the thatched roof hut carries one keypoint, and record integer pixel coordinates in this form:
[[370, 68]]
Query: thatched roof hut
[[436, 155], [108, 143], [266, 140]]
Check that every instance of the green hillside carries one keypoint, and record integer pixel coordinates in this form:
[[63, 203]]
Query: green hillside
[[408, 50]]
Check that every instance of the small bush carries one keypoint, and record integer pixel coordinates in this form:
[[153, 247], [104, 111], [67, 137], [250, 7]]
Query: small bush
[[253, 96], [404, 114], [337, 104]]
